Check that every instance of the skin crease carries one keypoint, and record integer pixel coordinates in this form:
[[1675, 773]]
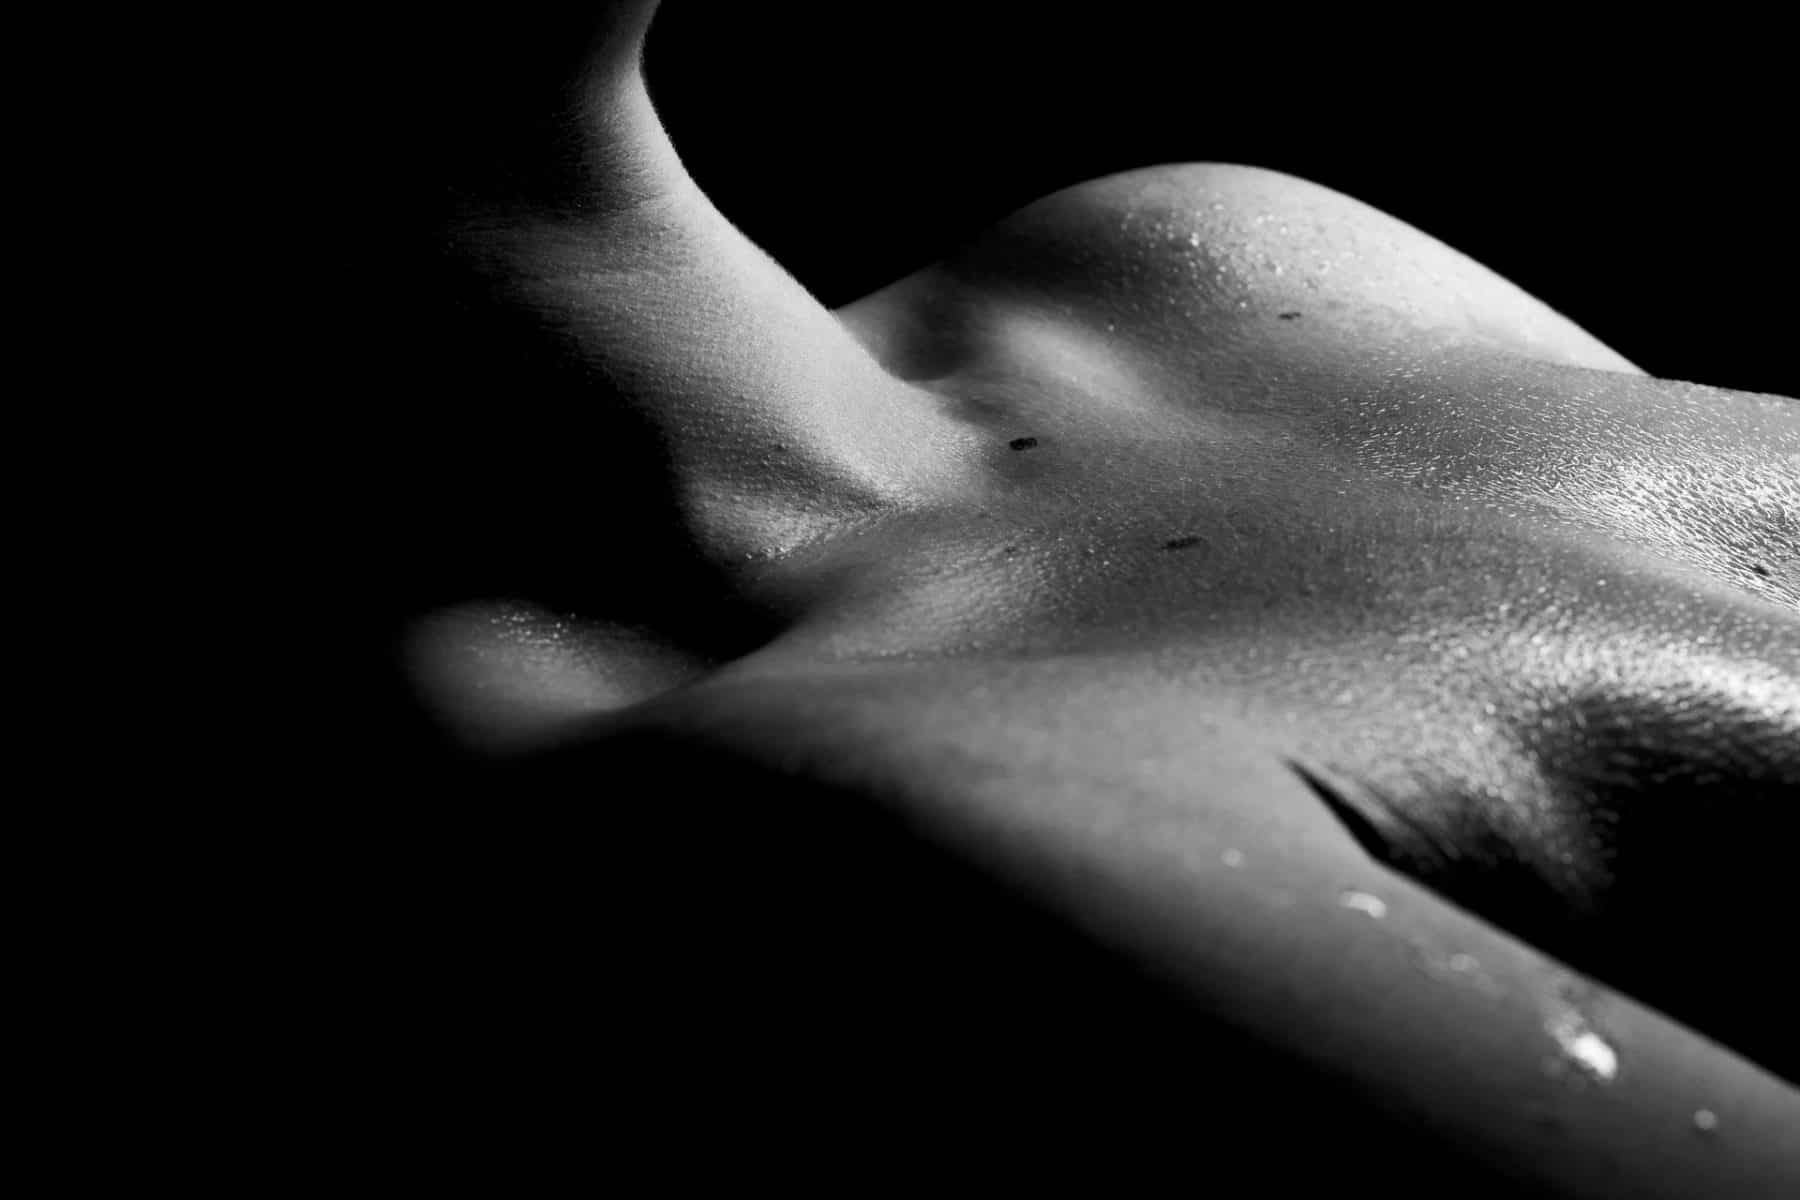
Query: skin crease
[[1075, 545]]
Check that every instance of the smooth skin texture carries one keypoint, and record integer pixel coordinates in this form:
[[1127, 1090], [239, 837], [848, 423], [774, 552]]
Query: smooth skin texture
[[1271, 595]]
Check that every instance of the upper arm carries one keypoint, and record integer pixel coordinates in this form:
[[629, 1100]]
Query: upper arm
[[816, 885]]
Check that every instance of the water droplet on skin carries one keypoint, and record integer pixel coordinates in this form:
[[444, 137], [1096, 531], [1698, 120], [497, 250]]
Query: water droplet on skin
[[1581, 1046], [1706, 1120], [1363, 902], [1456, 970], [1232, 858]]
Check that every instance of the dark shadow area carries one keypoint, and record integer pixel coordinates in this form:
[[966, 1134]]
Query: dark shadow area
[[711, 974], [503, 466], [1694, 812], [1689, 825]]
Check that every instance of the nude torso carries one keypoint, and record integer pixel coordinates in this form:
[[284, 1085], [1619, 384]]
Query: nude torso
[[1183, 483]]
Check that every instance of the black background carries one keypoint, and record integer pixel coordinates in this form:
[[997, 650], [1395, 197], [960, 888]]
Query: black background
[[1633, 175]]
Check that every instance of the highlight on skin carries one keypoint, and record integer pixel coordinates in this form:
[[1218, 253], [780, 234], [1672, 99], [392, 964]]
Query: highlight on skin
[[1244, 545]]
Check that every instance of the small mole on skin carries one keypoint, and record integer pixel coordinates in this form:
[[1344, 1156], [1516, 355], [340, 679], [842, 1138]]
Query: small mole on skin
[[1024, 443], [1288, 316], [1181, 543]]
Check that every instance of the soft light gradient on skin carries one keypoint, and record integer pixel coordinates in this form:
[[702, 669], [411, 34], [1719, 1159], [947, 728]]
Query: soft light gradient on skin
[[1079, 541]]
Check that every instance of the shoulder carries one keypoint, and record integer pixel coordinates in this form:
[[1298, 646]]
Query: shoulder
[[1229, 247]]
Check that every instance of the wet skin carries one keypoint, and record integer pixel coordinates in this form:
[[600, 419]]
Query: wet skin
[[1196, 541]]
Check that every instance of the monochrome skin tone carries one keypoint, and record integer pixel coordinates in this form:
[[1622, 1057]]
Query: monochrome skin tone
[[1274, 596]]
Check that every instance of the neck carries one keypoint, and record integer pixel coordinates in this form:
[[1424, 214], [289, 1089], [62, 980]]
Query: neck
[[552, 120], [774, 424]]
